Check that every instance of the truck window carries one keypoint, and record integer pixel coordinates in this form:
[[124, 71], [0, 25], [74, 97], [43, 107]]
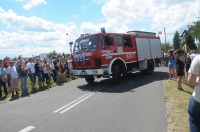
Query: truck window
[[118, 40], [86, 43], [109, 40], [127, 41]]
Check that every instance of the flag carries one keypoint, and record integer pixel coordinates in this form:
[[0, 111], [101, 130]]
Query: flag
[[160, 32]]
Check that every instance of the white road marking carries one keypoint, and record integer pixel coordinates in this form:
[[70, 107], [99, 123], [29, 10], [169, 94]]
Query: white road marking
[[71, 103], [68, 108], [77, 101], [27, 129]]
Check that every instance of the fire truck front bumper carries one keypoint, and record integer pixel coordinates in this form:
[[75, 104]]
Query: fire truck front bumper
[[88, 72]]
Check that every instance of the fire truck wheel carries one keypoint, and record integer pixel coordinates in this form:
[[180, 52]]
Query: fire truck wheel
[[116, 74], [89, 79], [150, 68]]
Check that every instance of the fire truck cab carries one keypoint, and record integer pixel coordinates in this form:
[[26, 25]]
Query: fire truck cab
[[111, 55]]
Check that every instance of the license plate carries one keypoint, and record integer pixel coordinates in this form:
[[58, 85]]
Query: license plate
[[79, 58]]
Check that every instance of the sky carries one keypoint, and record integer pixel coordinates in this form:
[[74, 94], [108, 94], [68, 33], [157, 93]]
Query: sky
[[32, 27]]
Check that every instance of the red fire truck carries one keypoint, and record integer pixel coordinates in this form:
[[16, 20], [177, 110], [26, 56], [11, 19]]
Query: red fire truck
[[114, 54]]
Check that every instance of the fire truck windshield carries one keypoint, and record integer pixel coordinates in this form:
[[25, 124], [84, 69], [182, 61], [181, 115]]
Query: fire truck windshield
[[86, 43]]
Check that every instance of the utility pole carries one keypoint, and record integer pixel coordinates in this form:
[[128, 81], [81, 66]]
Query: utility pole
[[71, 43], [165, 35]]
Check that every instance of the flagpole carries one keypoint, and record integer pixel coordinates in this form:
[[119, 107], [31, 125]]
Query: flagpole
[[165, 35]]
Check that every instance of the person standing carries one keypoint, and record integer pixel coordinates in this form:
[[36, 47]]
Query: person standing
[[57, 67], [13, 75], [46, 71], [70, 66], [194, 104], [53, 69], [188, 62], [31, 73], [6, 62], [180, 65], [3, 79], [23, 73], [171, 65], [39, 72]]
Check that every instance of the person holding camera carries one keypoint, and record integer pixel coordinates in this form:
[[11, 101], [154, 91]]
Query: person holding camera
[[23, 74], [3, 79]]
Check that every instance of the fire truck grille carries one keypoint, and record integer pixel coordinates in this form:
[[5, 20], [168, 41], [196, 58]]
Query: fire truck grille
[[98, 62]]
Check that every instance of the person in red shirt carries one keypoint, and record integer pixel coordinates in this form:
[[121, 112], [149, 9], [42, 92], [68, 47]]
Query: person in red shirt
[[6, 63]]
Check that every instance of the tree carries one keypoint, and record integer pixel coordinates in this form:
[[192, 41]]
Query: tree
[[176, 41], [190, 42], [166, 47], [195, 29], [198, 46], [52, 54]]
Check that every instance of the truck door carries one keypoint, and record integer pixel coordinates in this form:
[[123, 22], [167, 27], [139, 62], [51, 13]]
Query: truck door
[[129, 48], [107, 48]]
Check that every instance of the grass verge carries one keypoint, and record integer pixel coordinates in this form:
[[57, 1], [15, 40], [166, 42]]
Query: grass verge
[[177, 106]]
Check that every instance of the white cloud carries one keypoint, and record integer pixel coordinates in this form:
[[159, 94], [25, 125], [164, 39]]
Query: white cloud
[[171, 14], [34, 35], [33, 3]]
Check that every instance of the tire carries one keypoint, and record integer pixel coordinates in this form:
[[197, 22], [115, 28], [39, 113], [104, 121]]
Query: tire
[[149, 70], [89, 79], [116, 75]]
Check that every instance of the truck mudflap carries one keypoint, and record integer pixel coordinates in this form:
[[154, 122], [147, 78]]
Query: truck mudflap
[[88, 72]]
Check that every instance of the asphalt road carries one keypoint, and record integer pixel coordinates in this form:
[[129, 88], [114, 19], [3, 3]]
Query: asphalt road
[[135, 105]]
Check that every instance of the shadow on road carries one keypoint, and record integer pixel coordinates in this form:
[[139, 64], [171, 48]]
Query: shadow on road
[[127, 83]]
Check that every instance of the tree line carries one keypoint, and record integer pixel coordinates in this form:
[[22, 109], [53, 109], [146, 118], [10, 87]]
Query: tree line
[[186, 41]]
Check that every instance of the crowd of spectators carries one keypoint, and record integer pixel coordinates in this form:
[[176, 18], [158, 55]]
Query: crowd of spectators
[[176, 60], [179, 63], [12, 71]]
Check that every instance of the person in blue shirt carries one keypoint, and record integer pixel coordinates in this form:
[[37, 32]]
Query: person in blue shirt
[[3, 79], [171, 65]]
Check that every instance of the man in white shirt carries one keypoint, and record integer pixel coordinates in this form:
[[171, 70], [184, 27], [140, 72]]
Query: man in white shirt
[[193, 55], [194, 104], [13, 75], [31, 73]]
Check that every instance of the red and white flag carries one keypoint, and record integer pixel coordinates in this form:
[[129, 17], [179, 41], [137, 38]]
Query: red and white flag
[[160, 32]]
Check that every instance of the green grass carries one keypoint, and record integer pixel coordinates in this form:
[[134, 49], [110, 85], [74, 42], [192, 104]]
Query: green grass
[[177, 105]]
